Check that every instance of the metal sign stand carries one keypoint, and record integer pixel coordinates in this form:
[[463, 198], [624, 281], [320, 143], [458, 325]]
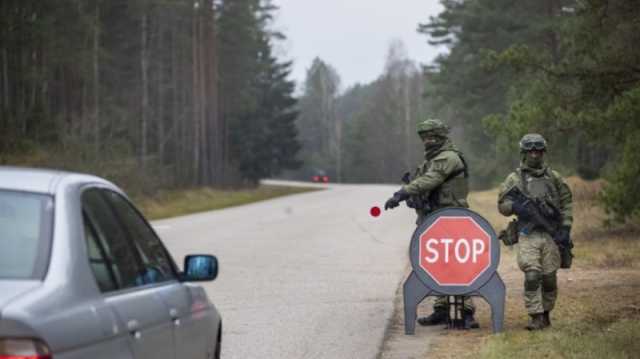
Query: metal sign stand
[[419, 284], [457, 304]]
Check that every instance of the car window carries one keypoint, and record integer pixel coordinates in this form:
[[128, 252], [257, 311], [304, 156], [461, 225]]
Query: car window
[[25, 234], [101, 263], [118, 250], [157, 263]]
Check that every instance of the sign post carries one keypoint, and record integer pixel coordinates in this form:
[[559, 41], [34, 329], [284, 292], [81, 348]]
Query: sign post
[[454, 251]]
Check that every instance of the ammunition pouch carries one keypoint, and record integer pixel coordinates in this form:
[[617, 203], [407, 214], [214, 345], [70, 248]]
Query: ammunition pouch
[[452, 193], [509, 235], [459, 187]]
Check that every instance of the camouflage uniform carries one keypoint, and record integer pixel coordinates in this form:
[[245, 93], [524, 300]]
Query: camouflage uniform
[[432, 182], [538, 254], [441, 181]]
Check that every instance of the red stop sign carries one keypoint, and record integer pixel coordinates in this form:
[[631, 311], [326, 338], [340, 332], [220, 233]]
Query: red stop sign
[[455, 251]]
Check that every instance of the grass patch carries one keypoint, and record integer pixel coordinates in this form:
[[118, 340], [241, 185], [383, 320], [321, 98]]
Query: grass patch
[[598, 245], [174, 203], [612, 253], [618, 340], [596, 325]]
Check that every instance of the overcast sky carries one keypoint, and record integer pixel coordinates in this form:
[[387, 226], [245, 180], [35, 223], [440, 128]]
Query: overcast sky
[[353, 35]]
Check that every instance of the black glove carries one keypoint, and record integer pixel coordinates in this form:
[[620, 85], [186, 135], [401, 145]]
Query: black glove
[[563, 237], [521, 211], [394, 201]]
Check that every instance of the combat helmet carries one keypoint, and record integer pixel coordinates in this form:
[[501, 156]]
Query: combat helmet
[[433, 125], [533, 141]]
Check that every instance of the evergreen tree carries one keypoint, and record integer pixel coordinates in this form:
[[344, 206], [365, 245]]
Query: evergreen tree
[[112, 87], [591, 90], [257, 101], [460, 86], [269, 139]]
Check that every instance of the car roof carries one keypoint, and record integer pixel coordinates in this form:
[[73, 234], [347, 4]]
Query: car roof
[[37, 180]]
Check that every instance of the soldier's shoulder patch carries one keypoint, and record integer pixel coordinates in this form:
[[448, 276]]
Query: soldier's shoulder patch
[[448, 156], [445, 165]]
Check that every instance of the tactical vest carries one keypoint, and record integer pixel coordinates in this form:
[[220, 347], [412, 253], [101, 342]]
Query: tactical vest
[[544, 187], [453, 191]]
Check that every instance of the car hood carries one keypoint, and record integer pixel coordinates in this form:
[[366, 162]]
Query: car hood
[[12, 289]]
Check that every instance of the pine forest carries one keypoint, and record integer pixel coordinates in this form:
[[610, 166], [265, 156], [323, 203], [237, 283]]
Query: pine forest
[[159, 94]]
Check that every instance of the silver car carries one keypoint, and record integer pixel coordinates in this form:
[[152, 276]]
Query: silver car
[[83, 275]]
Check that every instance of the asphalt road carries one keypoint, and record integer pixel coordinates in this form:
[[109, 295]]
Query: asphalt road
[[312, 275]]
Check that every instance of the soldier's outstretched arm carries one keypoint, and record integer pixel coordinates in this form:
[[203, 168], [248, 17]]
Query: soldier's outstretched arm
[[437, 173]]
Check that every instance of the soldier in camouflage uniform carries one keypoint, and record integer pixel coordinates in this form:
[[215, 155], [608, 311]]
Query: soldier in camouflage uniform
[[538, 253], [439, 182]]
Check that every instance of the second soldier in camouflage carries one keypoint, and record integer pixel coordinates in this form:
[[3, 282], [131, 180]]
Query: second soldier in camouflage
[[538, 251]]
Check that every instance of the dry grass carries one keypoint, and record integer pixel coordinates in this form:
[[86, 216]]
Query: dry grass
[[598, 309], [181, 202], [616, 246]]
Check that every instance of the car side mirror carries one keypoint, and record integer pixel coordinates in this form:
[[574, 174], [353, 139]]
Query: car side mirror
[[200, 268]]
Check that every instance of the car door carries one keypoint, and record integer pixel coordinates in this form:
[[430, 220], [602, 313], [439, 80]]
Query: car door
[[117, 340], [136, 302], [193, 334]]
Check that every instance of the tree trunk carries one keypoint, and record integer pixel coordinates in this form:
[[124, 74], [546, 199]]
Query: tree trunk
[[175, 124], [160, 118], [5, 81], [96, 80], [196, 97], [213, 140], [553, 42], [202, 175], [144, 65], [22, 117]]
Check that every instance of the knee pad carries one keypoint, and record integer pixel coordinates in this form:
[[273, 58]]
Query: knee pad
[[549, 282], [532, 280]]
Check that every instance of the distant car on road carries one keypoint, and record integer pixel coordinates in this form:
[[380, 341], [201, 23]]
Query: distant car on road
[[83, 275], [320, 176]]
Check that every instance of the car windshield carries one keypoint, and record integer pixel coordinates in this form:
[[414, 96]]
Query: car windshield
[[25, 232]]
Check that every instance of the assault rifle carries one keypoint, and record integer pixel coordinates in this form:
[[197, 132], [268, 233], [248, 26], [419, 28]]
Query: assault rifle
[[541, 214], [415, 201]]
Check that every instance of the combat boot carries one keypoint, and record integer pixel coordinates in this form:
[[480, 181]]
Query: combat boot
[[536, 322], [439, 316], [546, 319], [469, 320]]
